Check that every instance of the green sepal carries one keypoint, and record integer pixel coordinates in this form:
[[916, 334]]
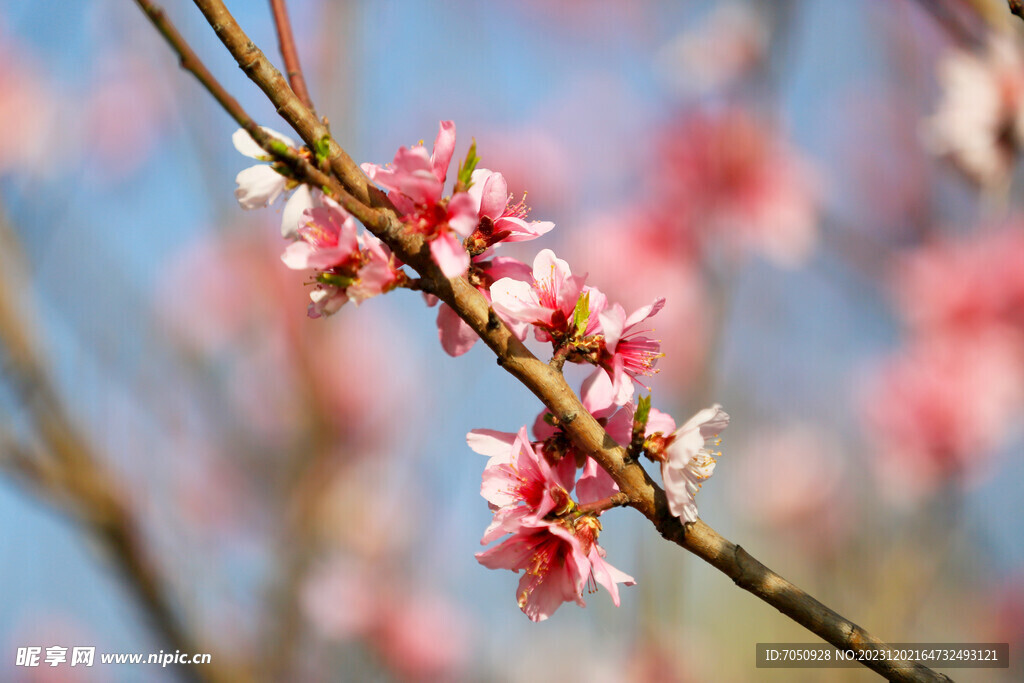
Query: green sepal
[[278, 147], [322, 149], [334, 279], [581, 315], [464, 180], [643, 411]]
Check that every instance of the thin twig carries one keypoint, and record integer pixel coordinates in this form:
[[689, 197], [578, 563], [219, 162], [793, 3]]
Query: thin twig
[[615, 500], [290, 54], [550, 387], [559, 356], [308, 477], [303, 169], [258, 68]]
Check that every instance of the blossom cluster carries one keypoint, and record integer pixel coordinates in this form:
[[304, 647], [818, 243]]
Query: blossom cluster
[[552, 537], [949, 394], [324, 237], [979, 124], [528, 484]]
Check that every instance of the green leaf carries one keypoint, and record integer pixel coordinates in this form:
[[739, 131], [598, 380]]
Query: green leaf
[[581, 315], [550, 419], [466, 168], [643, 410]]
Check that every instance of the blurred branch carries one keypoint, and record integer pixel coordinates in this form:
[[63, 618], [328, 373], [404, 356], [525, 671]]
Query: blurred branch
[[1017, 7], [308, 480], [65, 470], [543, 380], [952, 23], [289, 53]]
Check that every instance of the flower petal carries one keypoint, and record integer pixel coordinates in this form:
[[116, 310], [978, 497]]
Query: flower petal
[[491, 443], [444, 147], [449, 255], [258, 186], [456, 336], [301, 200]]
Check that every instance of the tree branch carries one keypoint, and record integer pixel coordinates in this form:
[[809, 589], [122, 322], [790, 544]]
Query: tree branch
[[304, 170], [290, 54], [258, 68], [546, 382]]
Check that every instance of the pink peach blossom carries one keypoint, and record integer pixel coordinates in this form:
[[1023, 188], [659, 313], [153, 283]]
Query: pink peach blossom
[[303, 199], [964, 285], [415, 176], [556, 545], [594, 483], [523, 488], [633, 254], [327, 238], [558, 559], [415, 181], [937, 408], [499, 220], [625, 352], [379, 272], [350, 266], [548, 302], [737, 182], [556, 568]]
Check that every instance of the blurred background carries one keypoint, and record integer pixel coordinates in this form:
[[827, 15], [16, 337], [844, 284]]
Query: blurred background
[[826, 193]]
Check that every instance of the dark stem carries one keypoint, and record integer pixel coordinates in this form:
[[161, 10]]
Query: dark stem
[[613, 501]]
